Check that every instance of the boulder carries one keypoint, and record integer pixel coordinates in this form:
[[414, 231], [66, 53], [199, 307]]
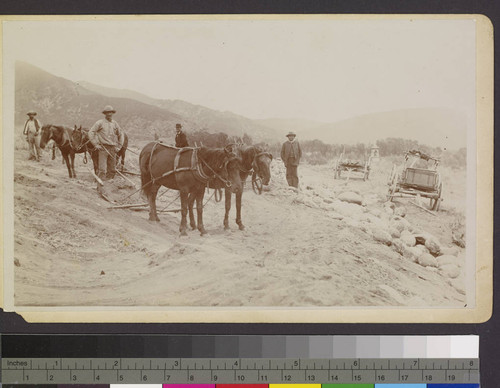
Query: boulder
[[453, 251], [351, 197], [408, 238], [400, 211], [349, 209], [446, 259], [401, 220], [376, 212], [450, 271], [427, 260], [432, 244], [381, 236], [422, 237], [412, 253], [394, 233], [398, 246]]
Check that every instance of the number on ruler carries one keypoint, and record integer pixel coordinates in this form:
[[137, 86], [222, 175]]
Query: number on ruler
[[73, 378], [240, 378], [357, 377], [334, 377], [215, 378], [263, 378], [451, 377], [51, 377], [145, 378], [404, 378], [191, 377], [98, 378], [115, 364], [287, 378], [381, 377], [311, 378], [428, 377], [120, 377]]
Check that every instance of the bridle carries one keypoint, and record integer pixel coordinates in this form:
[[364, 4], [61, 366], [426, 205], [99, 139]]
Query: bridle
[[223, 167]]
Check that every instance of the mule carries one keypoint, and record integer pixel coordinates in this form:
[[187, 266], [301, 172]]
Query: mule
[[188, 170], [255, 161], [81, 143], [62, 137]]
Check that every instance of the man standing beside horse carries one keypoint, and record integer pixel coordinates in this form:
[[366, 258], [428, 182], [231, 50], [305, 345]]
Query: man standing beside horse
[[290, 155], [31, 131], [107, 137]]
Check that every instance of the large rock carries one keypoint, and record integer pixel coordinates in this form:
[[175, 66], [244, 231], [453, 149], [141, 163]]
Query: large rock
[[450, 271], [351, 197], [422, 237], [381, 236], [433, 245], [446, 259], [394, 233], [408, 238], [427, 260], [349, 210], [401, 221], [400, 211]]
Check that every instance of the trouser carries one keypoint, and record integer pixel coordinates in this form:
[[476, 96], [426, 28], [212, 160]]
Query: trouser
[[107, 162], [291, 174], [34, 146]]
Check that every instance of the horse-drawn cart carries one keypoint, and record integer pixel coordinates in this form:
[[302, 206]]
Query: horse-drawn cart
[[352, 166], [411, 181]]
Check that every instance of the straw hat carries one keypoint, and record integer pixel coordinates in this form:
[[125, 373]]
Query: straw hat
[[31, 113], [108, 108], [291, 133]]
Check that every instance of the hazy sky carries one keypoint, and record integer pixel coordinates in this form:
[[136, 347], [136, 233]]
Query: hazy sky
[[324, 70]]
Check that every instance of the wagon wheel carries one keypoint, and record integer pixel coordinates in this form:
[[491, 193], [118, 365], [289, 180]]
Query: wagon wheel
[[392, 187], [366, 171], [256, 184], [391, 176], [437, 201]]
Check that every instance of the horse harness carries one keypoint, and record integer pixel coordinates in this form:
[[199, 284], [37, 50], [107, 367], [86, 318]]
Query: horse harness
[[195, 167], [255, 166]]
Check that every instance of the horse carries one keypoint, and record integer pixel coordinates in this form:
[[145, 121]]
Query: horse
[[81, 143], [187, 170], [62, 137], [255, 161]]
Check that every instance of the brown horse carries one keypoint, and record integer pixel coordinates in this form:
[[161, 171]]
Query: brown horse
[[62, 137], [255, 161], [188, 170], [81, 143]]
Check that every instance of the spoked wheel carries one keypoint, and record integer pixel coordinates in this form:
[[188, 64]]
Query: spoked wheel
[[437, 202], [256, 184]]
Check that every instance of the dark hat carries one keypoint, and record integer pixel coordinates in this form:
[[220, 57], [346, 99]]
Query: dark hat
[[108, 108], [291, 134], [178, 125], [31, 113]]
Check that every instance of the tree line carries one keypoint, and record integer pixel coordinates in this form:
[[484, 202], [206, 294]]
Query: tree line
[[318, 152]]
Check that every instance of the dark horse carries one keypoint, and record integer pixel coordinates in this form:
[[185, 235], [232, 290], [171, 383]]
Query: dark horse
[[62, 137], [255, 161], [81, 143], [188, 170]]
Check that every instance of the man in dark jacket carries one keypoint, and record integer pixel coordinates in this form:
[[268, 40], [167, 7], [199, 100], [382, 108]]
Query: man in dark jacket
[[290, 155], [180, 137]]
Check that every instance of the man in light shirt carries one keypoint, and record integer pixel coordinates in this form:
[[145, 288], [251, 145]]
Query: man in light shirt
[[31, 131], [107, 136]]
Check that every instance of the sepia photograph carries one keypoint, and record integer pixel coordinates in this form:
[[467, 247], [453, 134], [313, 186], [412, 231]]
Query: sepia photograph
[[248, 164]]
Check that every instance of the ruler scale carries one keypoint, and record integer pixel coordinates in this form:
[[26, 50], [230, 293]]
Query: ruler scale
[[238, 371]]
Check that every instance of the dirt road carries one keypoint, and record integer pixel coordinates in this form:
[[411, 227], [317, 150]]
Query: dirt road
[[298, 249]]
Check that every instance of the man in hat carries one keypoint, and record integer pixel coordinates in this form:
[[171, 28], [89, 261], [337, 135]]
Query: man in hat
[[31, 131], [107, 136], [180, 137], [290, 155]]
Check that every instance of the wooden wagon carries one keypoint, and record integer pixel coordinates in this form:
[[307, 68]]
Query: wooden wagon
[[411, 181], [359, 168]]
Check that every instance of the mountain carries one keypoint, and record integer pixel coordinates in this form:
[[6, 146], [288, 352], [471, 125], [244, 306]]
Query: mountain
[[206, 118], [60, 101], [436, 127]]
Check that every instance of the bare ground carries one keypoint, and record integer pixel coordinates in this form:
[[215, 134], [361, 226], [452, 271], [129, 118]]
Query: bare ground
[[297, 249]]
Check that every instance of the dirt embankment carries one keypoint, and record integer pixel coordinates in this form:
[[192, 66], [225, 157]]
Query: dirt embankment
[[316, 247]]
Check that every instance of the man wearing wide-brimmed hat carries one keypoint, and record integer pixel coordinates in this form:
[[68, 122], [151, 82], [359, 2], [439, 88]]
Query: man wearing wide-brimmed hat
[[107, 136], [290, 155], [31, 131], [180, 137]]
